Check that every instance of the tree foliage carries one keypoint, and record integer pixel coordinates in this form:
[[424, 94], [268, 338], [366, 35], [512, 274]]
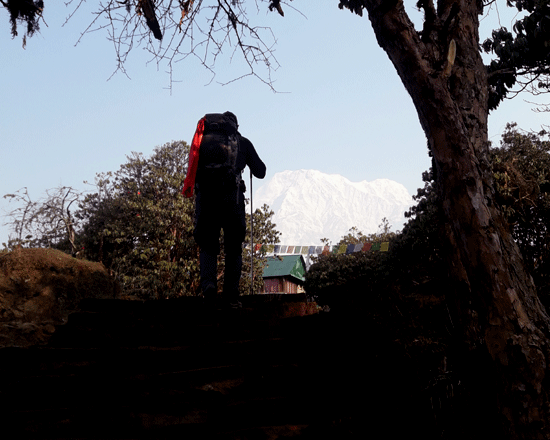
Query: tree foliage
[[522, 53], [521, 167], [355, 236], [27, 12], [264, 232], [140, 226], [334, 270]]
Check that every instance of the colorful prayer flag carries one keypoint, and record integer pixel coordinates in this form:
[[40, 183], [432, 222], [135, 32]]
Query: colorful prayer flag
[[366, 247], [384, 247], [297, 249], [375, 247], [350, 248], [358, 247], [277, 249], [290, 250], [342, 249]]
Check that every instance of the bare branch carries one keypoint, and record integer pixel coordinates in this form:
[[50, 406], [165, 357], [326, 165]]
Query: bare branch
[[205, 29]]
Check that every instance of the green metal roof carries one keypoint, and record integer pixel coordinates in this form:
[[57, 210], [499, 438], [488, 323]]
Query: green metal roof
[[289, 265]]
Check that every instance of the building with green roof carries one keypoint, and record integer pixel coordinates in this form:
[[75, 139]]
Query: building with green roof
[[284, 274]]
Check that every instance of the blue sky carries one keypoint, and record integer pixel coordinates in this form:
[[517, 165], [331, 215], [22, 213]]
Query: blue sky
[[341, 107]]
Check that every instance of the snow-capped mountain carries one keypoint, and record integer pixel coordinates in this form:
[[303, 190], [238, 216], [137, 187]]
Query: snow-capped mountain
[[310, 205]]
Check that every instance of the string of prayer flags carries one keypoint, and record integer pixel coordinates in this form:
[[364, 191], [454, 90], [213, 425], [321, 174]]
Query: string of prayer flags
[[320, 250]]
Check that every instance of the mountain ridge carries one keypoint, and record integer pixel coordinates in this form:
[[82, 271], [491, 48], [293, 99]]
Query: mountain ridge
[[310, 205]]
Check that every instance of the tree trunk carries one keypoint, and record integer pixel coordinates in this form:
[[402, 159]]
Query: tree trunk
[[442, 69]]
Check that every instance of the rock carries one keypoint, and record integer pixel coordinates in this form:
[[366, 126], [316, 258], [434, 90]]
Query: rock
[[39, 288]]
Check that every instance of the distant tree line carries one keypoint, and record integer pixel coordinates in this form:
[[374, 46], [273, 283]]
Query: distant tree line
[[136, 222]]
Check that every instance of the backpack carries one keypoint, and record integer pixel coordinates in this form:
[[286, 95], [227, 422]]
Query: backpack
[[219, 150]]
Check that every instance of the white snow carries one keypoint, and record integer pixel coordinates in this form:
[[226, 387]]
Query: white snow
[[310, 205]]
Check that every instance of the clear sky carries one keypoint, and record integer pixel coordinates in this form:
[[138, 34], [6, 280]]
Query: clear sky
[[341, 107]]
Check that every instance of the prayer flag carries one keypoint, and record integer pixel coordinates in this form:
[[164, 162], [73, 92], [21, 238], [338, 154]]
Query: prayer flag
[[350, 249], [257, 247], [366, 247], [283, 250], [297, 249], [384, 246], [318, 250], [277, 249], [358, 247], [342, 249], [326, 250], [305, 250], [290, 250], [375, 247], [270, 248]]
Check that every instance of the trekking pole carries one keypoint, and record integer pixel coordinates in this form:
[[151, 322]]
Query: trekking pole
[[251, 240]]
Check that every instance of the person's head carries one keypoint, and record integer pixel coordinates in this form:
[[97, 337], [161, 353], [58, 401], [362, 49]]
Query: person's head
[[232, 116]]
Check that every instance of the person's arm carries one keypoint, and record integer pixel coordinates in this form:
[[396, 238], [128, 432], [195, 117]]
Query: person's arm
[[254, 162]]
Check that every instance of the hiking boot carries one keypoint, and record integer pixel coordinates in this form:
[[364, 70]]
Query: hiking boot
[[230, 300], [209, 295], [235, 305]]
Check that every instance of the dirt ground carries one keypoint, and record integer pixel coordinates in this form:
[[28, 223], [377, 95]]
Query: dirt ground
[[40, 287]]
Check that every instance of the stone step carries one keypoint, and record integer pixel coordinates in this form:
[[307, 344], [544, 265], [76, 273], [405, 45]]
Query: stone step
[[260, 391], [146, 327], [126, 370]]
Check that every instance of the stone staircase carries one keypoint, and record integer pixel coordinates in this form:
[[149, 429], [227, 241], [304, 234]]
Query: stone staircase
[[173, 369]]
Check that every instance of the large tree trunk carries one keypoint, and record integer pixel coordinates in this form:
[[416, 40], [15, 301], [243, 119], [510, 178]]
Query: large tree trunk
[[442, 70]]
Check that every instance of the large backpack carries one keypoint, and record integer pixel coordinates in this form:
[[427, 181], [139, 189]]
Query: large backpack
[[218, 152]]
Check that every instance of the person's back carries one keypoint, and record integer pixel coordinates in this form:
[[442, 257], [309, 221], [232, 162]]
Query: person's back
[[219, 150], [218, 155]]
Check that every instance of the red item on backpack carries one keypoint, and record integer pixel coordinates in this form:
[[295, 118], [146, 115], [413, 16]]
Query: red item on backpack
[[189, 183]]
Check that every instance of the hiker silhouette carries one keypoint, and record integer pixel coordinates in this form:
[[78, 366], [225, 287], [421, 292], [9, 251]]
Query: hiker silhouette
[[217, 158]]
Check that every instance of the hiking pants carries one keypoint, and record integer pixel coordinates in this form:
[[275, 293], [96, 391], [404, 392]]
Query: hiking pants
[[214, 211]]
